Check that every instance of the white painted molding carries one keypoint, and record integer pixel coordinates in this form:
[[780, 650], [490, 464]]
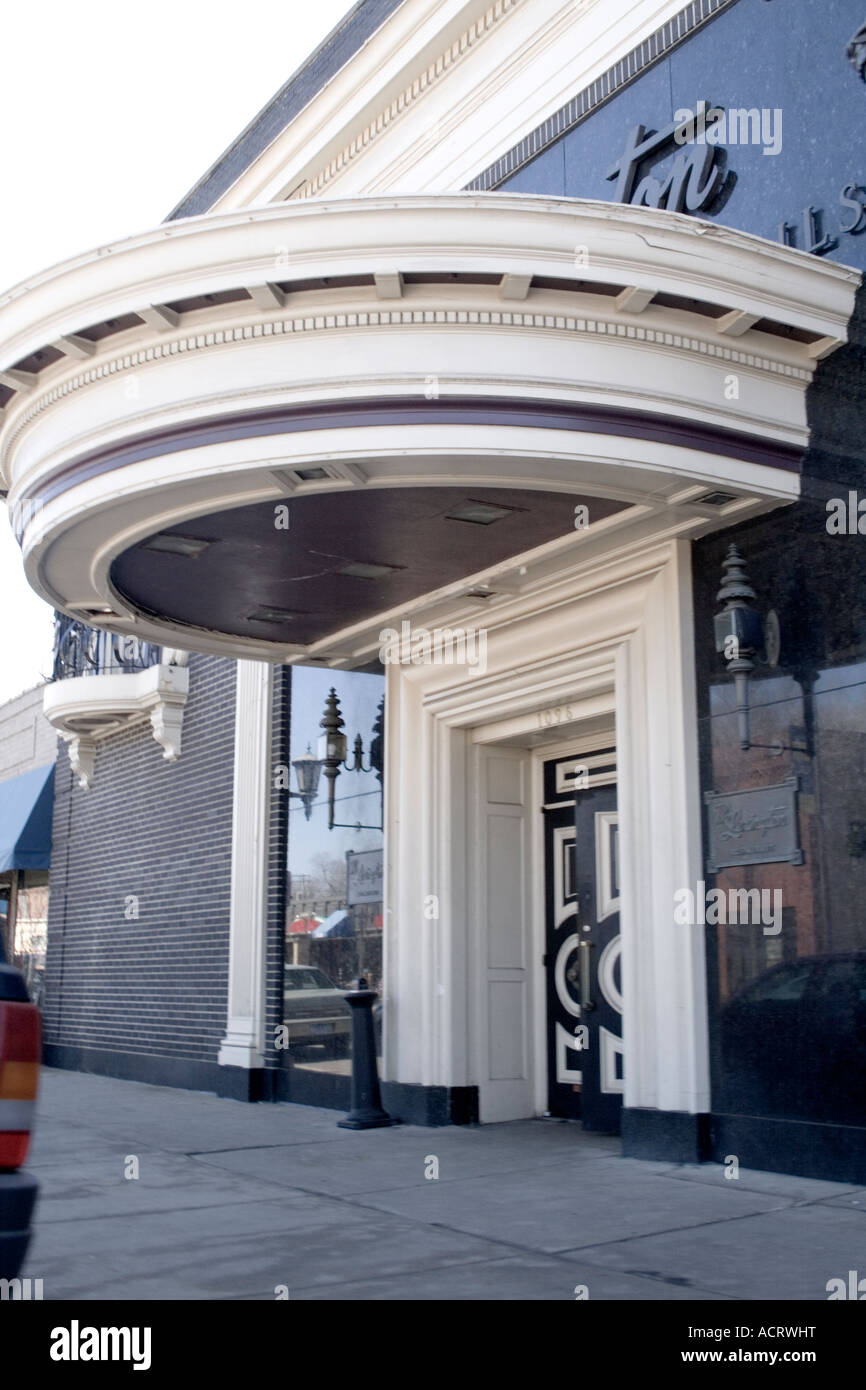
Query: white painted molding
[[558, 346], [505, 233], [435, 72], [440, 91], [82, 752], [616, 635], [244, 1041], [167, 722], [87, 709]]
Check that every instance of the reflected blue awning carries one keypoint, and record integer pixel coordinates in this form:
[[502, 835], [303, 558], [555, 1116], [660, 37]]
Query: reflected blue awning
[[335, 925], [26, 804]]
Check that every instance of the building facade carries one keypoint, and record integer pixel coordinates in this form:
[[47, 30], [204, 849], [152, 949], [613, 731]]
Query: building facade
[[28, 749], [515, 349]]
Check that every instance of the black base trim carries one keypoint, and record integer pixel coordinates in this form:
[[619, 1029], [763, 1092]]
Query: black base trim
[[182, 1072], [430, 1105], [665, 1135], [415, 1105], [241, 1083], [299, 1087], [836, 1153]]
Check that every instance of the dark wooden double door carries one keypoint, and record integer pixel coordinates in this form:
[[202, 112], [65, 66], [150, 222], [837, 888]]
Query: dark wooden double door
[[583, 957]]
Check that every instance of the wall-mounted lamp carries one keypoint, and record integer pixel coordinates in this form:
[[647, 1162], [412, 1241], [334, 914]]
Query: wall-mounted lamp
[[739, 632], [332, 755], [747, 640], [308, 770]]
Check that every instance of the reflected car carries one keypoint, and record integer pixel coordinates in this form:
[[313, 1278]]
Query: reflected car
[[793, 1041], [315, 1011]]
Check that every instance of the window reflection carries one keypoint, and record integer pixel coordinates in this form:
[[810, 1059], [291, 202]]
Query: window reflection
[[333, 932], [324, 957], [790, 1010]]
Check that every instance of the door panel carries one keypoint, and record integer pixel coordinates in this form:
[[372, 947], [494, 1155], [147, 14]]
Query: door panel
[[582, 944], [564, 1037], [597, 831], [501, 929]]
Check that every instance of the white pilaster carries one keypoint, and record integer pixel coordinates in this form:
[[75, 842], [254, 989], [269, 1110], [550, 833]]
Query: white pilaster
[[243, 1044], [666, 1059]]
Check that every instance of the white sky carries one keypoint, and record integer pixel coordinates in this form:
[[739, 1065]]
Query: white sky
[[110, 112]]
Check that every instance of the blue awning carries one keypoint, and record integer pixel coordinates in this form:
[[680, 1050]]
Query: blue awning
[[337, 924], [26, 804]]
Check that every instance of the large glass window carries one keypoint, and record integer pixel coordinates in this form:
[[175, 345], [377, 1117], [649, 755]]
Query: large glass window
[[334, 925], [24, 924], [787, 992]]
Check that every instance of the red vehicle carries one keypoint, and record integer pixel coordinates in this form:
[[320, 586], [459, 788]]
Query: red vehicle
[[20, 1038]]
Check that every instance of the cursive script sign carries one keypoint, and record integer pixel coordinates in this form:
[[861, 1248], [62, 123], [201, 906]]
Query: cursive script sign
[[758, 826], [694, 183], [363, 877]]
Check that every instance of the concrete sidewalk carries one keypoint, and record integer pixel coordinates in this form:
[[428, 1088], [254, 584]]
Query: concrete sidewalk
[[234, 1200]]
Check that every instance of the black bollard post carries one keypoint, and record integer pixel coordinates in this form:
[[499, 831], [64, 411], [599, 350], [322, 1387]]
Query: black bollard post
[[366, 1112]]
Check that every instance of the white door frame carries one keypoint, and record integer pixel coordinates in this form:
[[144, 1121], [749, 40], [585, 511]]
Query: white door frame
[[610, 635]]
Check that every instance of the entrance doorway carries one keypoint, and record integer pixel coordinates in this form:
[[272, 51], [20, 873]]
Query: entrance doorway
[[582, 959]]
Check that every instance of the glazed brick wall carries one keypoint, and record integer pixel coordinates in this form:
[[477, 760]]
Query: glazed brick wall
[[155, 986]]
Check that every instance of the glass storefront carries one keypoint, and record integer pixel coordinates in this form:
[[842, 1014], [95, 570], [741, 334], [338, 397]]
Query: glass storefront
[[333, 933], [24, 924], [787, 987]]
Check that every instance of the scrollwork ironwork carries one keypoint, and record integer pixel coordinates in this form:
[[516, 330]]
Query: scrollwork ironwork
[[80, 650]]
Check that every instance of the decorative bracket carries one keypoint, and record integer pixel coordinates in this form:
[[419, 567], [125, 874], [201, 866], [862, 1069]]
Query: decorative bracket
[[166, 720], [82, 752], [113, 701]]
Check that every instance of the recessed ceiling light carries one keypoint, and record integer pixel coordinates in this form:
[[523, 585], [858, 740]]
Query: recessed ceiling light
[[266, 614], [716, 499], [357, 569], [170, 544], [478, 513], [310, 475]]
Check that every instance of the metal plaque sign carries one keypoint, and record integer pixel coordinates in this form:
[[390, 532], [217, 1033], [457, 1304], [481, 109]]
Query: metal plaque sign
[[759, 826], [363, 877]]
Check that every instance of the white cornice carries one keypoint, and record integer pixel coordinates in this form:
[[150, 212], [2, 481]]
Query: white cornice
[[457, 51], [440, 92], [103, 453], [499, 233]]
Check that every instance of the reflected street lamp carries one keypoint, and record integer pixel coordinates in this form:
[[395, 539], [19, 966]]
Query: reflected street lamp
[[308, 769], [332, 755]]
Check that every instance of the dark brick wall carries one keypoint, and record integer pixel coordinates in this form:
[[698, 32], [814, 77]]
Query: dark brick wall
[[156, 986]]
